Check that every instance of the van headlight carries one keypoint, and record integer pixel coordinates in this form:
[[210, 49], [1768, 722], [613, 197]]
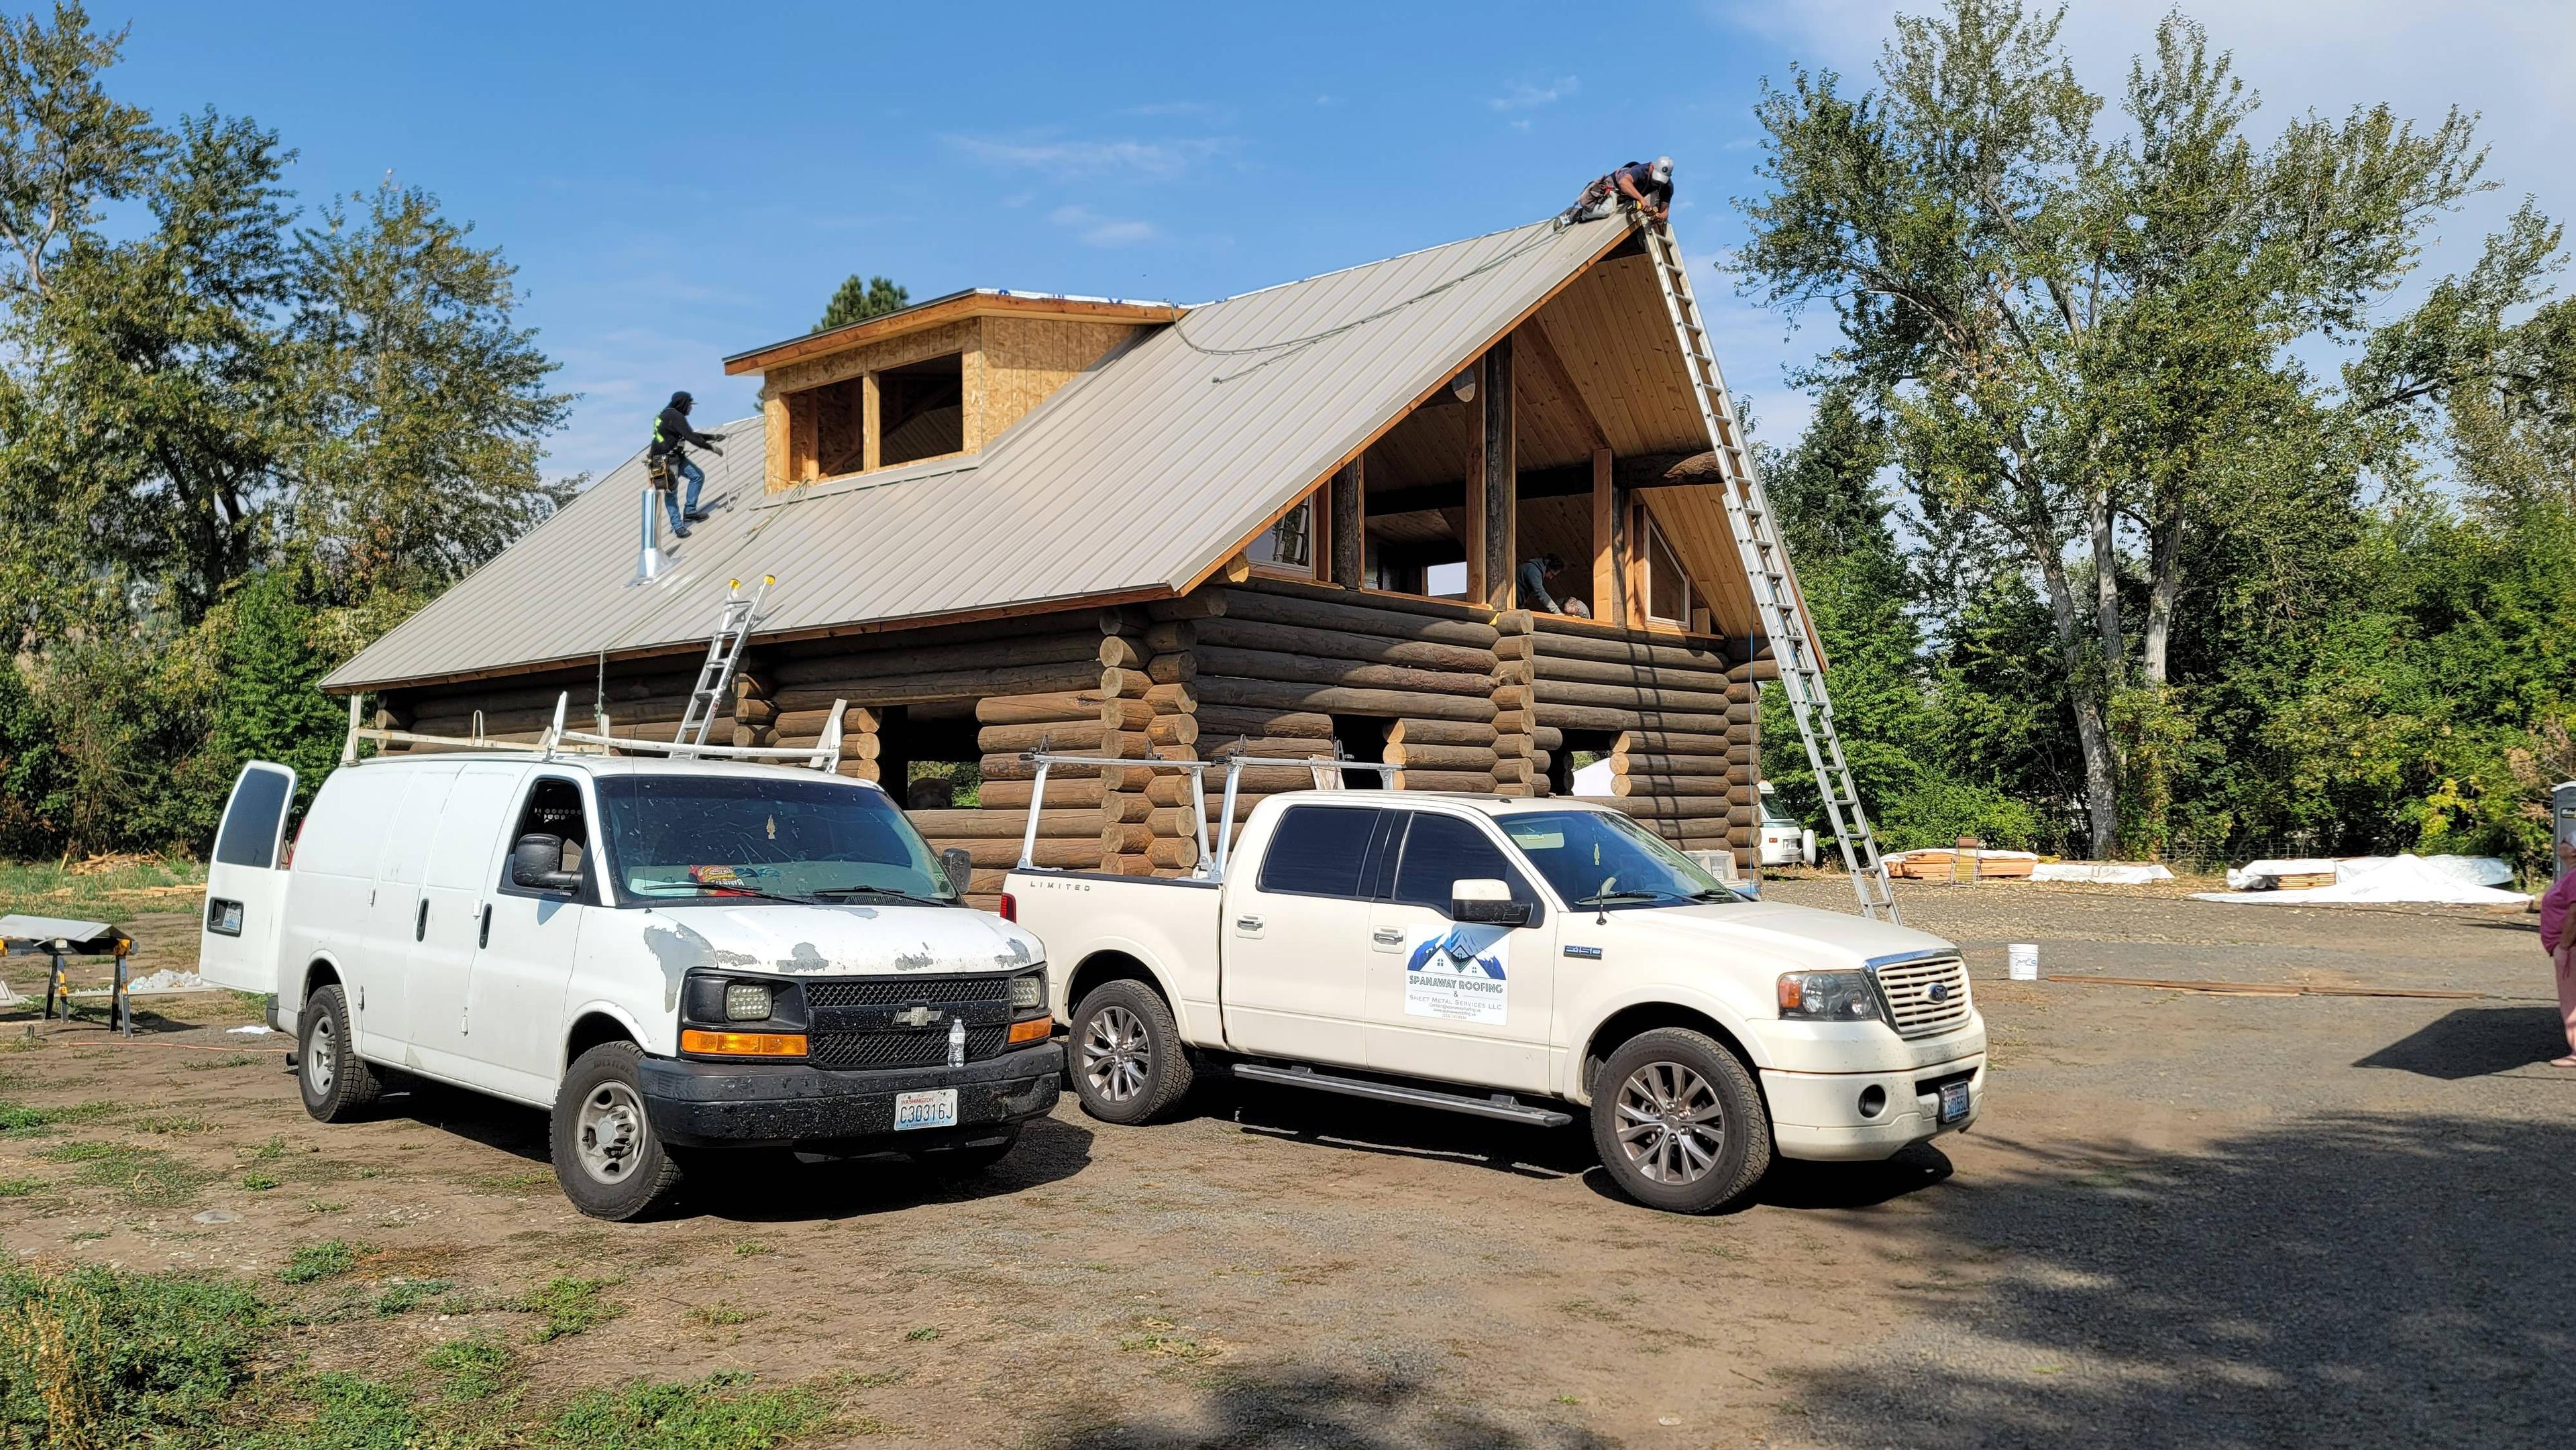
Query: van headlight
[[1028, 991], [747, 1001], [1827, 997]]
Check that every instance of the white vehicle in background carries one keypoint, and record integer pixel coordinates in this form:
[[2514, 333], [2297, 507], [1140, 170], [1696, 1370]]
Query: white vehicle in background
[[1779, 839], [1517, 959], [668, 955]]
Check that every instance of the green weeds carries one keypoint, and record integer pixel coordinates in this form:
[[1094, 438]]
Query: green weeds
[[720, 1412], [570, 1306], [144, 1177], [313, 1263]]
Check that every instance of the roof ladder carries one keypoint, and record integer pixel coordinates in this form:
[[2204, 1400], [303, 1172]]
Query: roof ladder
[[734, 625], [1775, 591]]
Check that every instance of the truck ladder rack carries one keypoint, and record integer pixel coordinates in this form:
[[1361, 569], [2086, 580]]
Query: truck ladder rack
[[1783, 610], [823, 755], [1210, 867]]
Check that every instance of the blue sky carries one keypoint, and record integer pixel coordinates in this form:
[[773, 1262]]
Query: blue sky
[[677, 183]]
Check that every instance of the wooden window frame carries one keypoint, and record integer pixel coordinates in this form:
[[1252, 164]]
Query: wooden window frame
[[1317, 568], [1654, 539]]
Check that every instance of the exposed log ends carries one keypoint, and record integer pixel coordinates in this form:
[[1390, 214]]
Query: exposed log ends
[[1118, 714], [1172, 669], [1172, 729], [1122, 683], [1243, 634], [1478, 782], [1760, 671], [1173, 852], [1381, 615], [1443, 757], [1125, 838], [1334, 699], [1220, 722], [1171, 699], [1518, 770], [1302, 669], [1122, 619], [1121, 651], [1206, 604], [1171, 637], [1515, 647], [1547, 737], [1440, 732], [1031, 709], [1512, 622], [1513, 722], [1124, 805]]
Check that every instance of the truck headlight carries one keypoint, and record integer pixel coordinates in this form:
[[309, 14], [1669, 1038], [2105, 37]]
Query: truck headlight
[[1827, 997], [746, 1001], [1028, 992]]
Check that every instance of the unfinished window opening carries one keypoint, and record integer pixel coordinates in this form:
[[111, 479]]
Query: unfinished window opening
[[1414, 518], [1554, 531], [930, 760], [1668, 589], [921, 410], [1581, 764], [1288, 546], [1362, 737]]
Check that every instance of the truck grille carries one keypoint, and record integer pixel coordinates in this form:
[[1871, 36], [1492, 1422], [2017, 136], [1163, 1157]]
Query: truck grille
[[873, 1024], [1925, 996]]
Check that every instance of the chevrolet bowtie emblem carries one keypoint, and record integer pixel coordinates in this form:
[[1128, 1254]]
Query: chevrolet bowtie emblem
[[916, 1015]]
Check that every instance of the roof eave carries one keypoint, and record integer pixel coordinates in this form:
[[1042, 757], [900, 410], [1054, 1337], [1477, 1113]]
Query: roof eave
[[951, 307]]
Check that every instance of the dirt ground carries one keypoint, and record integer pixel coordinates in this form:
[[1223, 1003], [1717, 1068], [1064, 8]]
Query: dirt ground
[[2185, 1219]]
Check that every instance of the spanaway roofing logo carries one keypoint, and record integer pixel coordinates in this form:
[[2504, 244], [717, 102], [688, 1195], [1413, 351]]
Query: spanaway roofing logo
[[1456, 952]]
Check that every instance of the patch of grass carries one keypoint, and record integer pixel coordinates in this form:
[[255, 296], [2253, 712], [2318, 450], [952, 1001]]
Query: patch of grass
[[923, 1335], [258, 1182], [20, 1187], [474, 1368], [351, 1412], [519, 1181], [169, 1124], [237, 1059], [17, 1120], [144, 1177], [570, 1306], [721, 1316], [102, 888], [100, 1357], [324, 1205], [315, 1262], [751, 1248], [405, 1295], [1158, 1337], [720, 1412], [275, 1147]]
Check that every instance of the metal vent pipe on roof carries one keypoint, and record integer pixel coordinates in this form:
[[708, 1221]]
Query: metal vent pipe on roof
[[648, 565]]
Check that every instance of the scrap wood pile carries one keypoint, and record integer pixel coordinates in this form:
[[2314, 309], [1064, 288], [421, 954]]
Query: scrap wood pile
[[1950, 863]]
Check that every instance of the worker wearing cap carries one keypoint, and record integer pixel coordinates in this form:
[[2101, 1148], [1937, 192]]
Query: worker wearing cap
[[671, 435], [1645, 185]]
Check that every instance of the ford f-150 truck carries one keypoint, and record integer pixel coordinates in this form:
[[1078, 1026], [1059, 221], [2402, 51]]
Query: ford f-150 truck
[[1512, 959]]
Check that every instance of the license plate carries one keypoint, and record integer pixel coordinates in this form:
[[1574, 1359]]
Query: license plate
[[937, 1108], [1954, 1101]]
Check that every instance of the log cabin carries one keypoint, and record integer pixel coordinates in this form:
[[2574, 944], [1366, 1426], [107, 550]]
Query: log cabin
[[1282, 524]]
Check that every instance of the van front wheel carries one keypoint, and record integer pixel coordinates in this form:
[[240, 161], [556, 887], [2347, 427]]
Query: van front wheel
[[335, 1082], [611, 1163]]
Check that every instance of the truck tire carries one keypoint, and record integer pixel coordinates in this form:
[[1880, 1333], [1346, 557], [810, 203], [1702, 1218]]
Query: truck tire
[[1126, 1058], [611, 1163], [1678, 1122], [335, 1082]]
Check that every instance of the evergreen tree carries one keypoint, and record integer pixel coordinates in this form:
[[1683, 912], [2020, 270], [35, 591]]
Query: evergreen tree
[[857, 301]]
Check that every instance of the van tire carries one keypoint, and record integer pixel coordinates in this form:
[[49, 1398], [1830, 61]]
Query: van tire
[[335, 1083], [1123, 1033], [1691, 1073], [611, 1163]]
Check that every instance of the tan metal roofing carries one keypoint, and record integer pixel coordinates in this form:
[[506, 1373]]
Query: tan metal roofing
[[1140, 475]]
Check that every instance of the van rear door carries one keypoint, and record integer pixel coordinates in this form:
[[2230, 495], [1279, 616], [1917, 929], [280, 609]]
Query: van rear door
[[246, 882]]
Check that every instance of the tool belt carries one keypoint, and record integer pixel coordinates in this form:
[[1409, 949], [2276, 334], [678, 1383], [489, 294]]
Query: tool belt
[[663, 471]]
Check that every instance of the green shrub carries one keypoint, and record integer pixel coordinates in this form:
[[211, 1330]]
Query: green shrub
[[716, 1413], [570, 1306], [325, 1260], [98, 1357], [475, 1368]]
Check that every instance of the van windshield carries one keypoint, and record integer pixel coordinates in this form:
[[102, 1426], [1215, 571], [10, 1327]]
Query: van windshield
[[682, 837], [1604, 859]]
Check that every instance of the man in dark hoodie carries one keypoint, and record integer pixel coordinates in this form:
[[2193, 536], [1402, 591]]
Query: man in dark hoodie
[[671, 435]]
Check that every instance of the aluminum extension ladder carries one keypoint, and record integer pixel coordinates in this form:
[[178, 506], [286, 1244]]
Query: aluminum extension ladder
[[1775, 594], [724, 655]]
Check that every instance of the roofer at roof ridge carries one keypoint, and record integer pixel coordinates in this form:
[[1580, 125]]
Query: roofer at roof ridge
[[1646, 185]]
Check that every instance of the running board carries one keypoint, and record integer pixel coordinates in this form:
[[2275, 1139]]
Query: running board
[[1500, 1105]]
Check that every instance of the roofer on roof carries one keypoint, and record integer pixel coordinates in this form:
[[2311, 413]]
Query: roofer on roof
[[669, 456], [1646, 185]]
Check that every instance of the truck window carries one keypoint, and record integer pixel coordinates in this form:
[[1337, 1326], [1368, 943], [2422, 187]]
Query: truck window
[[553, 809], [1440, 851], [1318, 851], [1579, 851], [250, 827]]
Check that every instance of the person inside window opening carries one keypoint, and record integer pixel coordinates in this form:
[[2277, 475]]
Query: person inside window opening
[[668, 462], [1534, 576], [1645, 185]]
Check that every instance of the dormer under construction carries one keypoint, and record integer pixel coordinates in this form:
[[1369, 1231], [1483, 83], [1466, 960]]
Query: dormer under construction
[[1288, 523]]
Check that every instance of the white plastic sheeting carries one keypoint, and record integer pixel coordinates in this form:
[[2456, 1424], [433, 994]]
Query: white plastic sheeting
[[2432, 880], [2101, 873]]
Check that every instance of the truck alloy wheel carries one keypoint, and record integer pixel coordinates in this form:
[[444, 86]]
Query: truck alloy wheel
[[1678, 1122], [609, 1160], [1127, 1062]]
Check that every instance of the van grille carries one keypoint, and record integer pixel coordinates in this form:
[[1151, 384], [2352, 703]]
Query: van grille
[[896, 991], [1925, 996], [879, 1051], [857, 1024]]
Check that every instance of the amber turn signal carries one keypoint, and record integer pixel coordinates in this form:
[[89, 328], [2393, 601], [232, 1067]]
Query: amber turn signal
[[744, 1044], [1036, 1029]]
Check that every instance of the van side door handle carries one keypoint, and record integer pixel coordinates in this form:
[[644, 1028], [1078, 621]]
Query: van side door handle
[[420, 920], [483, 938]]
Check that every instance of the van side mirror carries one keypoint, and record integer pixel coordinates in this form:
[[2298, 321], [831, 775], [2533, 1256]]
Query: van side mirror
[[1484, 901], [536, 863], [959, 864]]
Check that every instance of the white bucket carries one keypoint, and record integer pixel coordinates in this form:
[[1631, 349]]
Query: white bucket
[[2021, 961]]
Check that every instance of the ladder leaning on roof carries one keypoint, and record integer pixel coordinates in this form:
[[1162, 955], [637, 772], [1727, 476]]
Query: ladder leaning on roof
[[1783, 611], [734, 624]]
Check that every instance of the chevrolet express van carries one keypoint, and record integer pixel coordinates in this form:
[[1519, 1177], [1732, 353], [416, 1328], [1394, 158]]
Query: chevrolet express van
[[669, 956]]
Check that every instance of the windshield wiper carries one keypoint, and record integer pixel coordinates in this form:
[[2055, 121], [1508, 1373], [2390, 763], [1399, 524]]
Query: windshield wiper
[[1598, 898], [887, 891], [754, 891], [1716, 893]]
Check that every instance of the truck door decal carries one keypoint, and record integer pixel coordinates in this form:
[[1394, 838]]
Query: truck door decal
[[1457, 972]]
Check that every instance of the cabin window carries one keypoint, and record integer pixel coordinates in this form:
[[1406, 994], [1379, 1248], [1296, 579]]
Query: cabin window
[[1668, 590], [921, 410], [1288, 546]]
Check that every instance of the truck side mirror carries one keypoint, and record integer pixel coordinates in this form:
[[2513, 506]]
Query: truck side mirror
[[1486, 902], [536, 863], [959, 864]]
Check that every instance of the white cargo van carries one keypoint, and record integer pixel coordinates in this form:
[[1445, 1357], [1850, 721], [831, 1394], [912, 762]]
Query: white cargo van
[[670, 955], [1499, 958]]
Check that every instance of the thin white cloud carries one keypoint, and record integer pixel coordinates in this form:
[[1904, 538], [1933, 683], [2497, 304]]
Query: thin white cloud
[[1527, 96], [1068, 159], [1095, 230]]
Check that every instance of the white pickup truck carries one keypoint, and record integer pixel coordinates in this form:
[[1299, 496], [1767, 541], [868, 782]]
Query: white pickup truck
[[1508, 958]]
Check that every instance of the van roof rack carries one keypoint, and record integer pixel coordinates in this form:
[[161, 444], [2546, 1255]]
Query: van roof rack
[[823, 755]]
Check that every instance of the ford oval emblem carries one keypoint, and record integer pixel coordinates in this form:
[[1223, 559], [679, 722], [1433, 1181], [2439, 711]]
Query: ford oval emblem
[[1938, 992]]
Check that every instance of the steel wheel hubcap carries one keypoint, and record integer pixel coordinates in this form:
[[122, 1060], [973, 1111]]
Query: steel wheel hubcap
[[611, 1134], [1671, 1126], [1115, 1054], [321, 1056]]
